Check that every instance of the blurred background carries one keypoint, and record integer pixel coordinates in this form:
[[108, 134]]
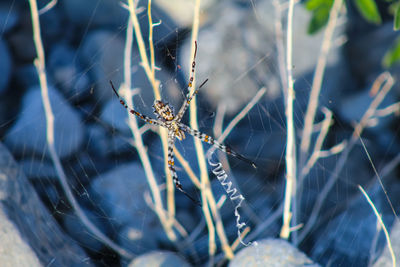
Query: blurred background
[[241, 51]]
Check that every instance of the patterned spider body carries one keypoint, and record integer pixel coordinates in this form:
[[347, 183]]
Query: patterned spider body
[[165, 113], [167, 119]]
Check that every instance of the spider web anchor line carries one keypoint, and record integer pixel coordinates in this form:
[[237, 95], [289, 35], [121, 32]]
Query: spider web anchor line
[[231, 191]]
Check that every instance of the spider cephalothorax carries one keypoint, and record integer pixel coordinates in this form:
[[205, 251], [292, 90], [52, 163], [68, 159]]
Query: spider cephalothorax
[[165, 113], [176, 129]]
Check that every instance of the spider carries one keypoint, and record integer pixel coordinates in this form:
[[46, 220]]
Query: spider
[[167, 119]]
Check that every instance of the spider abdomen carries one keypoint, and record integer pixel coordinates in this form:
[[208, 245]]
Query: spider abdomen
[[163, 111]]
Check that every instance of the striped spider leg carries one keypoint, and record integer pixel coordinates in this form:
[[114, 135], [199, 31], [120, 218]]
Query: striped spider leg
[[208, 139], [134, 112], [189, 87], [171, 166]]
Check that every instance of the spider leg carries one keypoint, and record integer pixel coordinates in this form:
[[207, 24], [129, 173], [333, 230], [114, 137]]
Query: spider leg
[[189, 87], [187, 102], [208, 139], [171, 163], [143, 117]]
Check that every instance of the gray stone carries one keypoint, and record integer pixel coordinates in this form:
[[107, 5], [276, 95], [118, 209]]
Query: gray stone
[[120, 194], [75, 228], [5, 65], [8, 16], [29, 132], [232, 53], [102, 53], [159, 259], [67, 74], [385, 260], [38, 169], [18, 251], [348, 237], [271, 253], [36, 227], [94, 13]]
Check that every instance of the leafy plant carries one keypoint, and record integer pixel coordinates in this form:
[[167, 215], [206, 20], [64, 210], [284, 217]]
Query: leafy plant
[[368, 9]]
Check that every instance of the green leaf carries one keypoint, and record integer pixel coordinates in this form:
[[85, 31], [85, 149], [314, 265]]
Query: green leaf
[[396, 23], [320, 14], [318, 20], [368, 10], [392, 56], [315, 4]]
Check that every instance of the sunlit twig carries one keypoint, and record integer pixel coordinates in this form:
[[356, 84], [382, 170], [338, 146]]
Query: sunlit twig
[[379, 217], [40, 66]]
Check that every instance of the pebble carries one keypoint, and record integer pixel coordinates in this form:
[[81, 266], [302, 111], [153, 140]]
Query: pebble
[[8, 17], [67, 74], [159, 259], [5, 66], [271, 253], [29, 233], [68, 131]]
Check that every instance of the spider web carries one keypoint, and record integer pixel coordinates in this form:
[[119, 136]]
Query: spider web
[[238, 54]]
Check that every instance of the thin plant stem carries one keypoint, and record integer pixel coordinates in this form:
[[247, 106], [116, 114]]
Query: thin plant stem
[[150, 73], [241, 115], [279, 45], [205, 182], [40, 67], [142, 50], [290, 157], [48, 7], [379, 217], [151, 44], [326, 123], [187, 168], [133, 125], [385, 80], [314, 98], [317, 81]]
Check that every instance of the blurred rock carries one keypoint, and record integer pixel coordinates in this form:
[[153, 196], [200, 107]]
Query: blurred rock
[[29, 132], [28, 225], [271, 253], [5, 66], [95, 14], [120, 193], [102, 54], [385, 260], [66, 74], [79, 232], [8, 17], [18, 251], [112, 15], [20, 39], [366, 47], [346, 239], [26, 76], [138, 239], [98, 141], [38, 169], [261, 137], [159, 259], [178, 10], [353, 107], [114, 115], [235, 52]]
